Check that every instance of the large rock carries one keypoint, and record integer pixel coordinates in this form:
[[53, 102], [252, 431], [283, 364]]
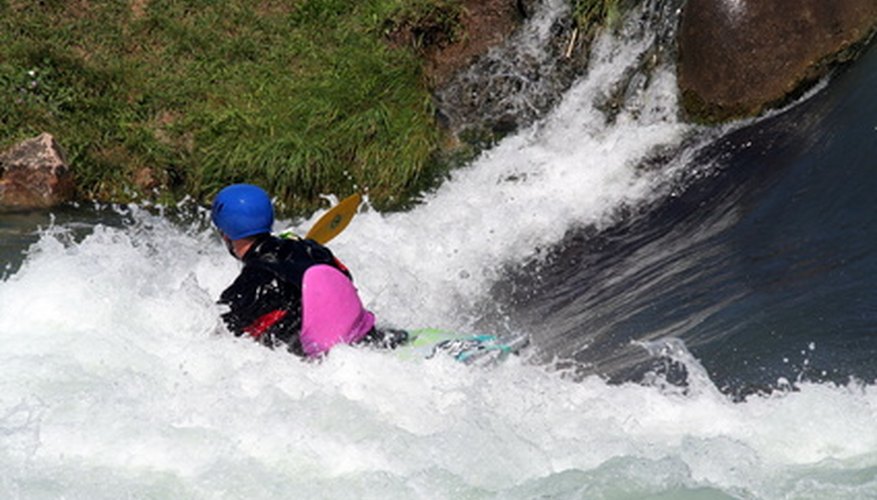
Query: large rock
[[34, 173], [737, 57]]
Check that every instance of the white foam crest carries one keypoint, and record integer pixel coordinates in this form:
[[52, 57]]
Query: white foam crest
[[115, 383]]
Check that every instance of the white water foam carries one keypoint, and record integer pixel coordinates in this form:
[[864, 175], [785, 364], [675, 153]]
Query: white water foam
[[417, 268], [115, 385]]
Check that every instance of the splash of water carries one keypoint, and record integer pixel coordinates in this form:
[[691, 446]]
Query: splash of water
[[427, 266], [114, 384]]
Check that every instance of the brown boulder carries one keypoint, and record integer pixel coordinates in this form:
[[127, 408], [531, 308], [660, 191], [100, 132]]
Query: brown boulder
[[738, 57], [34, 173]]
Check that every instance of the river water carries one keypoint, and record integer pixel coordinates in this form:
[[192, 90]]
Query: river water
[[700, 303]]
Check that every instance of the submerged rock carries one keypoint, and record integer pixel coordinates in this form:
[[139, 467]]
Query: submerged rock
[[738, 57], [34, 173]]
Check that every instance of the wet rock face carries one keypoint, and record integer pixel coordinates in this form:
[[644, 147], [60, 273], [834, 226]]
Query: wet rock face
[[737, 57], [34, 173], [515, 81]]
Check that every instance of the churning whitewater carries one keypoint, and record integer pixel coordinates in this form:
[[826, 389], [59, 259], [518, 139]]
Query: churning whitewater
[[119, 380]]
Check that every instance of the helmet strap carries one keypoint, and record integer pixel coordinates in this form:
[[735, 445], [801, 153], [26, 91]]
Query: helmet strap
[[229, 244]]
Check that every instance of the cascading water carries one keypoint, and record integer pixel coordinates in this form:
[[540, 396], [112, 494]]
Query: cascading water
[[761, 258], [513, 83], [118, 379]]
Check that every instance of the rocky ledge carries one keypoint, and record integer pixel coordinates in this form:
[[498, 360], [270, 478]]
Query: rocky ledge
[[740, 57], [35, 174]]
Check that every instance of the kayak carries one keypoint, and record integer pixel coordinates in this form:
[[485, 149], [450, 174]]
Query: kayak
[[471, 349]]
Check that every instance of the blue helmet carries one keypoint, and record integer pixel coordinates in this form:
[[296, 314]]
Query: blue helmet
[[242, 210]]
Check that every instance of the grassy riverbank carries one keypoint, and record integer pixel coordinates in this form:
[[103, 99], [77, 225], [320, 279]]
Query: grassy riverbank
[[167, 98], [171, 97]]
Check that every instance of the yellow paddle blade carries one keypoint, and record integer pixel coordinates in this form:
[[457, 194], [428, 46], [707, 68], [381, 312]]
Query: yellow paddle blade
[[335, 220]]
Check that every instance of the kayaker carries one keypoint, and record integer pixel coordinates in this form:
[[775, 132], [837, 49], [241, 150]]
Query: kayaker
[[291, 292]]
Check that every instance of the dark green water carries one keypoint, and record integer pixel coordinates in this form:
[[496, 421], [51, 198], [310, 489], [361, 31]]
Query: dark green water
[[18, 229]]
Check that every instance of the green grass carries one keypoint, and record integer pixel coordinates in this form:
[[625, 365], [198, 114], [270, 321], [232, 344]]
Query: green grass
[[303, 97]]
